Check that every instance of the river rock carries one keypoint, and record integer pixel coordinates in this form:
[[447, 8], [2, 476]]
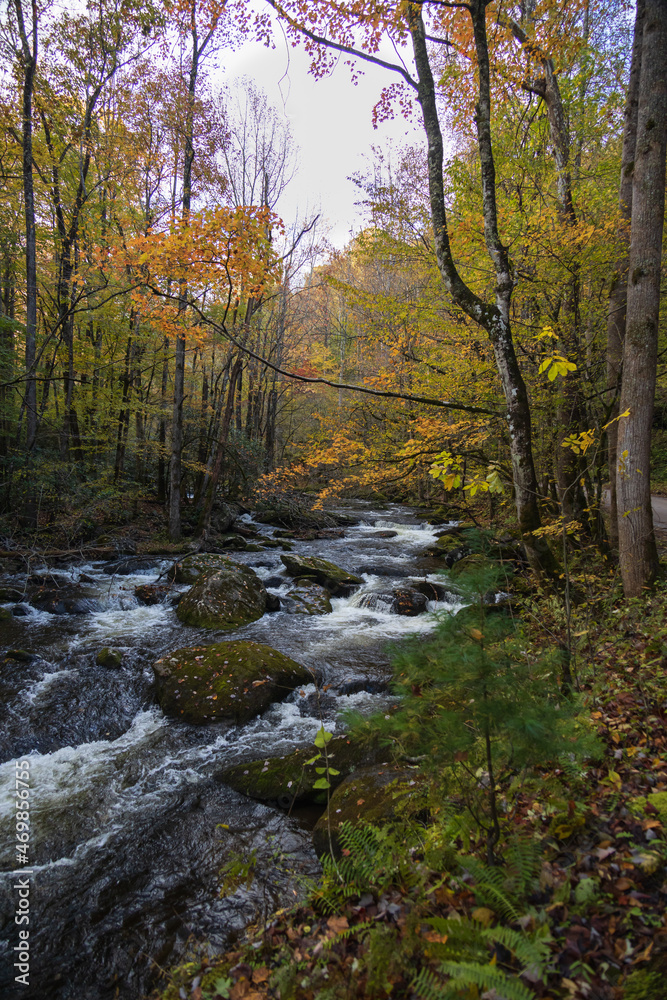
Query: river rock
[[229, 680], [129, 566], [378, 569], [408, 602], [371, 794], [12, 594], [65, 601], [224, 515], [109, 657], [307, 599], [436, 591], [6, 614], [189, 569], [273, 602], [336, 580], [19, 611], [151, 593], [224, 598], [289, 780], [236, 543]]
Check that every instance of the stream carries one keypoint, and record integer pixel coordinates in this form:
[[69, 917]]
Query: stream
[[130, 830]]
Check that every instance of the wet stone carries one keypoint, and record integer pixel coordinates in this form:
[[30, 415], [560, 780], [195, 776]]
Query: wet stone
[[409, 602], [337, 580], [150, 594], [370, 795], [189, 569], [228, 680], [308, 598], [109, 657], [66, 601], [290, 780], [224, 598], [127, 567]]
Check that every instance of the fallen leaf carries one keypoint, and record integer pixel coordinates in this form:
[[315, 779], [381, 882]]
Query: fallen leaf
[[337, 924], [483, 915]]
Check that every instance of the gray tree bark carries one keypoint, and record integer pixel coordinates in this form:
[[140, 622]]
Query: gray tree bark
[[637, 549], [493, 317], [619, 289], [28, 58]]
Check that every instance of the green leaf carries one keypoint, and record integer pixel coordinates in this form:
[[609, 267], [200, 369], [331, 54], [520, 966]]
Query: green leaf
[[313, 759], [322, 783], [322, 737]]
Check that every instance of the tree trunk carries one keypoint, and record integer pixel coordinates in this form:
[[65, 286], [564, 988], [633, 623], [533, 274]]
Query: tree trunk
[[619, 289], [29, 65], [175, 474], [494, 318], [637, 549]]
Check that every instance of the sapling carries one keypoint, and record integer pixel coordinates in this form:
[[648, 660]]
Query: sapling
[[477, 706]]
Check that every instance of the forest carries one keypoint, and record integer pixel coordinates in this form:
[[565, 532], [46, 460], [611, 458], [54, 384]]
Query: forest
[[487, 350]]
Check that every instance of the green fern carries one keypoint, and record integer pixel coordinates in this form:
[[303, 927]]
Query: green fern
[[348, 933], [505, 888], [488, 977], [427, 985], [373, 859]]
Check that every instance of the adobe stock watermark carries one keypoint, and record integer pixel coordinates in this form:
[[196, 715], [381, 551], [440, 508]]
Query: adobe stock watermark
[[22, 881]]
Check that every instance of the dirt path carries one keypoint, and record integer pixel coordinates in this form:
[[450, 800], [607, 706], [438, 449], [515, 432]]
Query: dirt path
[[659, 505]]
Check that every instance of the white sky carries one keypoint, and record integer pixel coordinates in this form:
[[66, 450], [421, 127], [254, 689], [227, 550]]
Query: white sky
[[331, 124]]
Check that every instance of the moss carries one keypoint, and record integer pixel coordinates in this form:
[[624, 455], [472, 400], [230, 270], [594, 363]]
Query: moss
[[643, 984], [224, 598], [290, 778], [326, 573], [310, 598], [108, 657], [189, 570], [658, 800], [371, 795], [229, 680]]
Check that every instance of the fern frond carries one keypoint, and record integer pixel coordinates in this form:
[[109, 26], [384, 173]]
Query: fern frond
[[488, 977], [528, 950], [427, 985]]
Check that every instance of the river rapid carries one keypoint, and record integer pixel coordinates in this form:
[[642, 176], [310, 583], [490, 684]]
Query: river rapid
[[130, 830]]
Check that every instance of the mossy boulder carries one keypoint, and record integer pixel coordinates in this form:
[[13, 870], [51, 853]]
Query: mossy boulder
[[224, 598], [229, 680], [5, 615], [466, 563], [307, 599], [189, 570], [290, 779], [327, 574], [109, 657], [373, 794]]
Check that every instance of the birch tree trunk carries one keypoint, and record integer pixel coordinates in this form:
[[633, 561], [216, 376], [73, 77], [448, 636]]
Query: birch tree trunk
[[637, 549]]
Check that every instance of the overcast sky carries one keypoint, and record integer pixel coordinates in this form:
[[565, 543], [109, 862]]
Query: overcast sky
[[331, 124]]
